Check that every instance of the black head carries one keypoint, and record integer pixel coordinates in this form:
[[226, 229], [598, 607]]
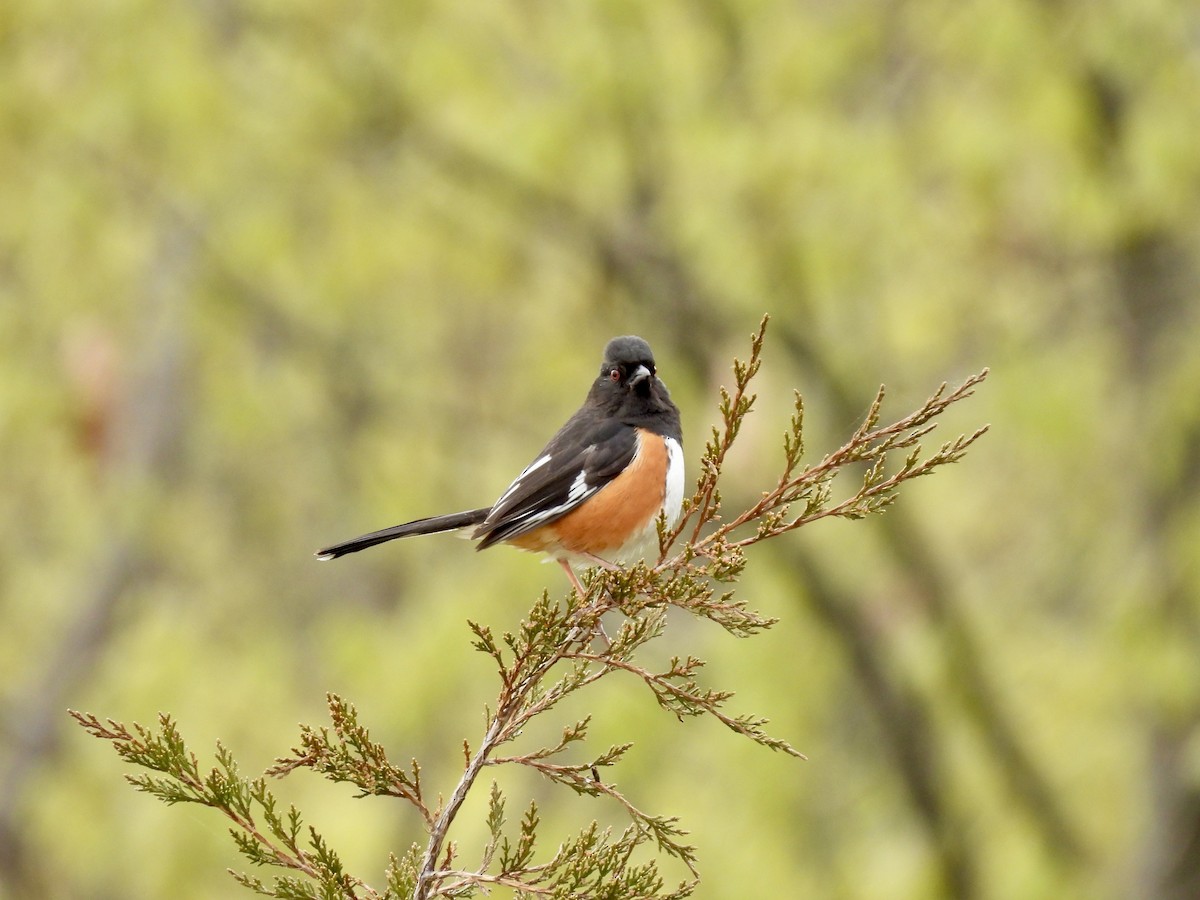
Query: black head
[[623, 355], [629, 387]]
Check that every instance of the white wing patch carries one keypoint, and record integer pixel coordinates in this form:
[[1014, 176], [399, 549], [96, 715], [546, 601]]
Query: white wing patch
[[533, 466], [575, 494], [579, 488]]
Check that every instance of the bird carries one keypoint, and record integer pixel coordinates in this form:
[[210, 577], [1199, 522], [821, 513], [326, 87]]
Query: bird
[[594, 494]]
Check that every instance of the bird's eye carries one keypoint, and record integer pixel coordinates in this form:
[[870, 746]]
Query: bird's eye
[[614, 375]]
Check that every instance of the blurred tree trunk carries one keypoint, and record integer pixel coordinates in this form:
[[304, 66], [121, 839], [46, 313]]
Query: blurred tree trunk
[[1155, 280], [140, 456]]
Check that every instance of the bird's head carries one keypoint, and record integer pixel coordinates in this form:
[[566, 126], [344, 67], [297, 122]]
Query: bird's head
[[628, 383]]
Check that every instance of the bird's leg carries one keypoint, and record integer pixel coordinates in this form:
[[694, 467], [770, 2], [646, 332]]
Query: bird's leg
[[601, 562], [582, 595], [574, 578]]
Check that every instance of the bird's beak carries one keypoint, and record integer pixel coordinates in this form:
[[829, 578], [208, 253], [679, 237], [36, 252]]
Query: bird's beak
[[640, 374]]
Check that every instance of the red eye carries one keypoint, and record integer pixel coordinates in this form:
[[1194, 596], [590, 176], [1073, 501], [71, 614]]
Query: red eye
[[615, 375]]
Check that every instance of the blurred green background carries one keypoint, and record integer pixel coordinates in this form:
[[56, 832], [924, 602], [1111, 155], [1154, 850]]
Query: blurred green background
[[274, 274]]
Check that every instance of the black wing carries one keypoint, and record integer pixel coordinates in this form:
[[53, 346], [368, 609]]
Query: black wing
[[581, 459]]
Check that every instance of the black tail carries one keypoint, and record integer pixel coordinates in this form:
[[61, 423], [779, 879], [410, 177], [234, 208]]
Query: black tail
[[432, 525]]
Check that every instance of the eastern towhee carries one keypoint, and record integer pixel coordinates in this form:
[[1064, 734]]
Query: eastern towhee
[[594, 493]]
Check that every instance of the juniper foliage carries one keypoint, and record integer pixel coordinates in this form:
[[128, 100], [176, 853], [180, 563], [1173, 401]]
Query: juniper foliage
[[559, 649]]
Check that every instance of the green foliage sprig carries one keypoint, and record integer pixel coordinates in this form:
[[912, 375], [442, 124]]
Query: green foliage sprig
[[559, 649]]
